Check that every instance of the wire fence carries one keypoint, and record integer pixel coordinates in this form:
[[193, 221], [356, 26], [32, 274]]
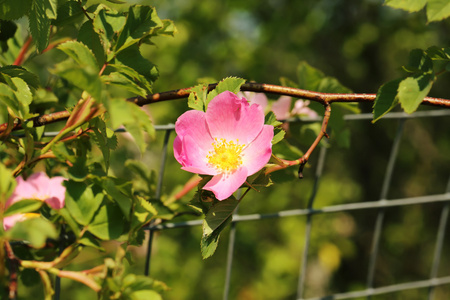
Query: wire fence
[[311, 211]]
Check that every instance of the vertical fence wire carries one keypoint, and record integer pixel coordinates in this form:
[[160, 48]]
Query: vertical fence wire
[[439, 244], [304, 259], [230, 252], [383, 197], [157, 196]]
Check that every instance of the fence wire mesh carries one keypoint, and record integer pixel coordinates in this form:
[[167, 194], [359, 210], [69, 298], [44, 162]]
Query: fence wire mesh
[[380, 206]]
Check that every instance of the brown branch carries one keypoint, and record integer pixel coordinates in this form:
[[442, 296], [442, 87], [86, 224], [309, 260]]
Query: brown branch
[[322, 98], [13, 266], [304, 159]]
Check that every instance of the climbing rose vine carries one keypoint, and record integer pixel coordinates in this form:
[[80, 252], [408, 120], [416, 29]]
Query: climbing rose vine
[[229, 142]]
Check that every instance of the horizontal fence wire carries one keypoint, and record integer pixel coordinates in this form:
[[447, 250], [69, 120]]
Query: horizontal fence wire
[[379, 205]]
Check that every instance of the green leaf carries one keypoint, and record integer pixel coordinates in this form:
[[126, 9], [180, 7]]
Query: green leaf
[[308, 77], [68, 13], [210, 242], [412, 90], [119, 192], [408, 5], [104, 138], [34, 230], [51, 7], [232, 84], [132, 58], [80, 53], [197, 97], [438, 10], [81, 201], [286, 151], [90, 241], [108, 23], [12, 10], [23, 206], [16, 95], [7, 183], [108, 222], [436, 53], [133, 118], [39, 24], [271, 119], [85, 78], [91, 39], [419, 62], [8, 98], [141, 20], [278, 135], [218, 214], [127, 78], [386, 99], [17, 71]]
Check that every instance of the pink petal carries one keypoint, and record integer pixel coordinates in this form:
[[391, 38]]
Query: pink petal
[[301, 108], [224, 185], [193, 123], [282, 107], [194, 158], [232, 118], [23, 190], [10, 221], [256, 155]]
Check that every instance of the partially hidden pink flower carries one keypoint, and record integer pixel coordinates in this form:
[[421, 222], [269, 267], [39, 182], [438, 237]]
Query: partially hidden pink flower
[[39, 187], [282, 108], [229, 142], [255, 98]]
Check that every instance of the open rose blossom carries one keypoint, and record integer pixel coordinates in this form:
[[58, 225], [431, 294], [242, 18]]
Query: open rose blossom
[[39, 187], [229, 142]]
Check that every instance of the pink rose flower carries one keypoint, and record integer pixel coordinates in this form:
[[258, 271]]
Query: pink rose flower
[[40, 187], [229, 142]]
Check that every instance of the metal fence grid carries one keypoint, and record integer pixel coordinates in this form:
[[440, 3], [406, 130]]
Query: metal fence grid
[[311, 211]]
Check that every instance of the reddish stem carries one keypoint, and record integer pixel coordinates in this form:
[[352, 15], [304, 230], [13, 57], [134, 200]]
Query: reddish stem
[[13, 263], [21, 57]]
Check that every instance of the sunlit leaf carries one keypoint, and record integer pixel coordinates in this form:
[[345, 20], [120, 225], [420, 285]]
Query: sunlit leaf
[[438, 10], [197, 97], [232, 84], [408, 5], [35, 230], [81, 201], [80, 53], [17, 71], [108, 222], [412, 90], [141, 20], [23, 206]]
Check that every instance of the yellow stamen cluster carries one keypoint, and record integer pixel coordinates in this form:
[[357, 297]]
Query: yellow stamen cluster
[[226, 155]]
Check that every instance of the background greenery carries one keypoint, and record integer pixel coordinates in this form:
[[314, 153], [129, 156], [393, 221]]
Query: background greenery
[[362, 44]]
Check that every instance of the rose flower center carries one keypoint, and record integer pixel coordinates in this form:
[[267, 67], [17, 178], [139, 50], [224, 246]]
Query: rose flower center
[[226, 155]]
